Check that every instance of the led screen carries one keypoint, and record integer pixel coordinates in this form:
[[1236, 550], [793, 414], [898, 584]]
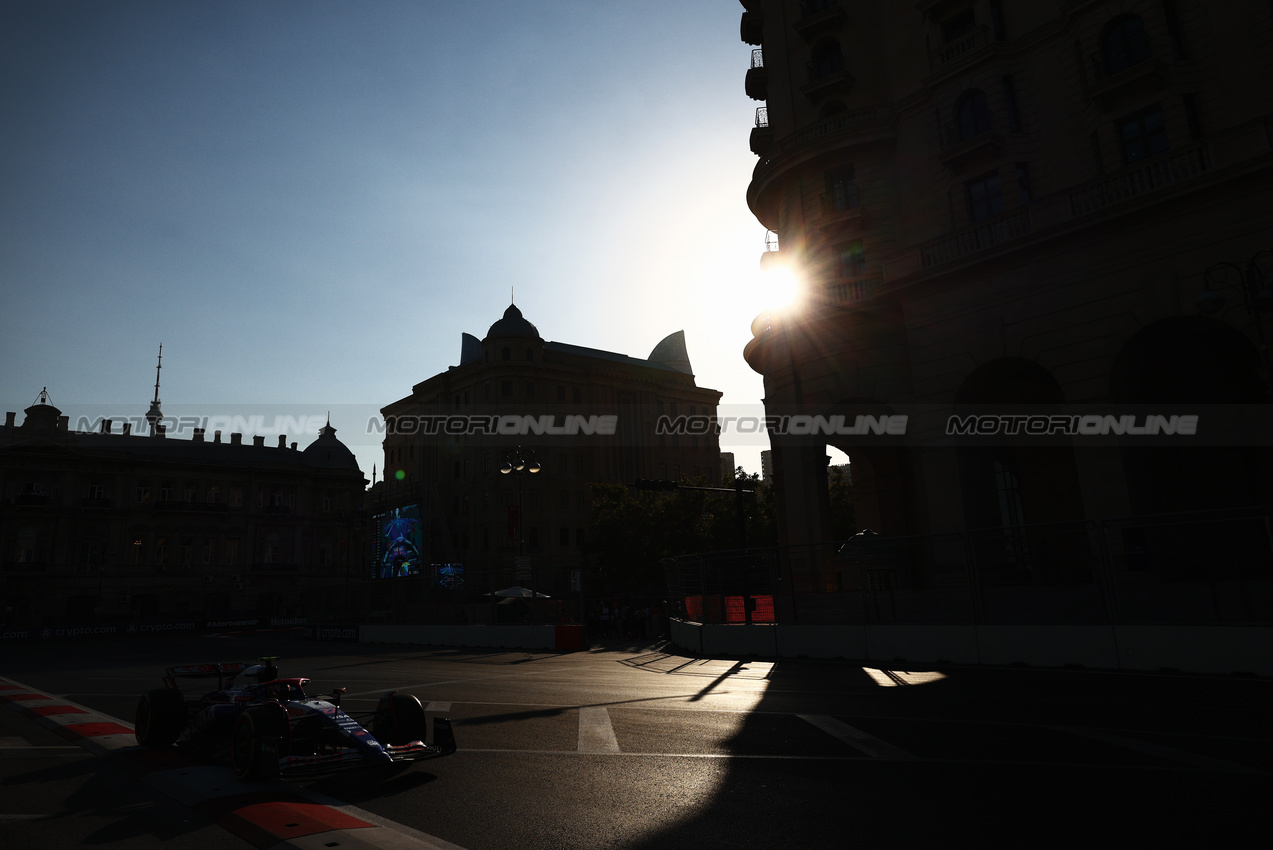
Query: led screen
[[399, 542]]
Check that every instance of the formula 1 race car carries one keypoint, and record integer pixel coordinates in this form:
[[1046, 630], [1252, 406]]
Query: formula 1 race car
[[267, 727]]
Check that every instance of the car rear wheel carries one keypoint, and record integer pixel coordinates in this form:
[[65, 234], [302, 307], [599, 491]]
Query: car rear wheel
[[260, 735], [160, 717], [400, 719]]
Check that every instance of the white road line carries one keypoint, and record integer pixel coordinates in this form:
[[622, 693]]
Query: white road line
[[856, 738], [1170, 753], [596, 735], [442, 707]]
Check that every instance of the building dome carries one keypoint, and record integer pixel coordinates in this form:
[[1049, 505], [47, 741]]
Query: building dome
[[513, 325], [329, 452]]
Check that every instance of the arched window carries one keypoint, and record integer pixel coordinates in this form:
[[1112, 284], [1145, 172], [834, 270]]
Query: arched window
[[1125, 44], [972, 115], [827, 60]]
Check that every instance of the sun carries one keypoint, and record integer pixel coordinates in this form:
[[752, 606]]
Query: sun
[[783, 289]]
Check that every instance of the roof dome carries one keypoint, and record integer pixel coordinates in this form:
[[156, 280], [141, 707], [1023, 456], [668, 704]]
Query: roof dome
[[329, 452], [513, 325]]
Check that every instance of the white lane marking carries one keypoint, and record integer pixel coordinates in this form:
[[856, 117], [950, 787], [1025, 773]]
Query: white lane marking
[[596, 735], [856, 738], [442, 707], [1170, 753]]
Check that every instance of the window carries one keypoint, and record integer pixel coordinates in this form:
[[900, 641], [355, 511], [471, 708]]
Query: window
[[231, 551], [1191, 116], [842, 192], [1173, 29], [1010, 105], [957, 26], [530, 354], [236, 497], [506, 353], [530, 389], [996, 19], [561, 393], [1023, 182], [96, 489], [574, 394], [506, 388], [1125, 44], [972, 115], [209, 550], [827, 60], [563, 536], [143, 493], [985, 197], [850, 260], [1142, 135]]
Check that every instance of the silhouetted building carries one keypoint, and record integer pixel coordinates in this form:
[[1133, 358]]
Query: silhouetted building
[[108, 527], [1044, 205], [581, 415]]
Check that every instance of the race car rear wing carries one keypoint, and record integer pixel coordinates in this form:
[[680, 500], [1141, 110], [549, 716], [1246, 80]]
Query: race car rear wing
[[221, 670]]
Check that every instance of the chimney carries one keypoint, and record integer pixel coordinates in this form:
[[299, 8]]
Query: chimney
[[128, 429], [293, 447], [8, 419], [198, 435], [282, 441], [236, 439], [106, 426], [258, 441], [216, 436], [63, 422]]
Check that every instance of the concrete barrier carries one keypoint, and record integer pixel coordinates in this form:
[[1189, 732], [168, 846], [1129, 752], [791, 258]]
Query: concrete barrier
[[1195, 649]]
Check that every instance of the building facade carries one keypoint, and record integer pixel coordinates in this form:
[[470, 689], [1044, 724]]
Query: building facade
[[574, 416], [120, 528], [1053, 206]]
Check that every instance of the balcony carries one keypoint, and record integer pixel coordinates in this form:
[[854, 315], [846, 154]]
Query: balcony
[[962, 51], [853, 291], [757, 82], [772, 257], [762, 136], [818, 17], [95, 502], [837, 130], [751, 29], [978, 237], [1139, 180], [30, 500]]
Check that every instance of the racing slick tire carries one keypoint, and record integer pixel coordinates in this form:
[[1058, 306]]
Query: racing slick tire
[[400, 719], [260, 735], [160, 717]]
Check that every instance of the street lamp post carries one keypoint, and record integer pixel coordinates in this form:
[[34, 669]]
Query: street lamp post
[[521, 463]]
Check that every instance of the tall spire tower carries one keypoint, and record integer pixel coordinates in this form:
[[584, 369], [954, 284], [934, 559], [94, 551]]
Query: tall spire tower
[[154, 415]]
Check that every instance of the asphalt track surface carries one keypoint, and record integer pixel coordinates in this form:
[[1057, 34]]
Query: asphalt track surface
[[631, 746]]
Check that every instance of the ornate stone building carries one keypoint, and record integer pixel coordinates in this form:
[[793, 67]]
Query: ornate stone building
[[109, 527], [1055, 206], [576, 415]]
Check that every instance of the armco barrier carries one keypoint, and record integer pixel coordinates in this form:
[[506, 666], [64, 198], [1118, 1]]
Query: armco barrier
[[565, 638]]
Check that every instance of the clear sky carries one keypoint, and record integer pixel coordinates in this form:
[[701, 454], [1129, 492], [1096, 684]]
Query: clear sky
[[308, 202]]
